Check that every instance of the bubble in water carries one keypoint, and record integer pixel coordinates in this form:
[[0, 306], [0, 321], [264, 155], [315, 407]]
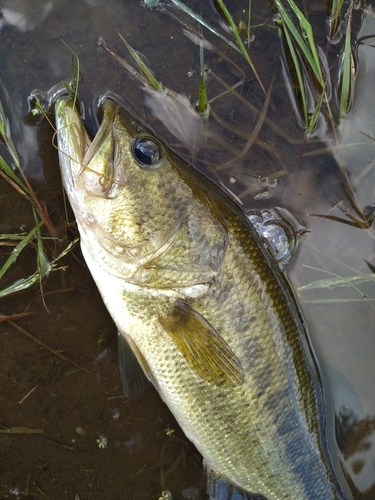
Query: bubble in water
[[279, 231], [116, 413]]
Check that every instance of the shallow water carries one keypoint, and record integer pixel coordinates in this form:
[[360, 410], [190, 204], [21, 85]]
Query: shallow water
[[96, 444]]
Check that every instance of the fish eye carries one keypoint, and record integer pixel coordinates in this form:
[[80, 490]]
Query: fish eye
[[147, 152]]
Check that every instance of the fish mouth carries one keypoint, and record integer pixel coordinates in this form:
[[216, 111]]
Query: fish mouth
[[99, 166], [87, 165], [100, 174]]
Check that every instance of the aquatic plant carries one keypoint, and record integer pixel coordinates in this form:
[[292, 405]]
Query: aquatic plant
[[14, 175], [305, 62]]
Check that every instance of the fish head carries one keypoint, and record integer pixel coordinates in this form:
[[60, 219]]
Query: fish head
[[128, 198]]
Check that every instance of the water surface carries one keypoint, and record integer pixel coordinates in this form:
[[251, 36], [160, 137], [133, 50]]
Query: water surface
[[96, 444]]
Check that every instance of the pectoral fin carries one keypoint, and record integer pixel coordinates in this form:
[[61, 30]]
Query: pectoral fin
[[134, 370], [202, 346]]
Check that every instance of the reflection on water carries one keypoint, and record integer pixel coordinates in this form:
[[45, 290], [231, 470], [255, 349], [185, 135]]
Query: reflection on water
[[332, 270], [356, 440], [357, 130], [189, 126], [24, 16]]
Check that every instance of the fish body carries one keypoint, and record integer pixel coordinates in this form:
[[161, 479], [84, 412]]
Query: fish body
[[208, 315]]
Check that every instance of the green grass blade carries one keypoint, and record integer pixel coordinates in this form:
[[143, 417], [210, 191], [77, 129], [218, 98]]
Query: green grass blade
[[306, 49], [76, 72], [20, 285], [25, 283], [18, 249], [347, 67], [309, 51], [349, 280], [24, 188], [335, 12], [70, 247], [203, 105], [151, 3], [336, 301], [10, 173], [336, 282], [147, 72], [296, 63], [26, 192], [240, 42], [12, 237], [204, 23], [42, 261], [308, 32], [249, 23], [336, 7], [4, 123], [5, 132], [315, 115]]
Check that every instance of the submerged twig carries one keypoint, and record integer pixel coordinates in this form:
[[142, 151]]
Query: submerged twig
[[27, 395], [11, 317], [21, 430], [62, 445], [50, 349], [253, 135]]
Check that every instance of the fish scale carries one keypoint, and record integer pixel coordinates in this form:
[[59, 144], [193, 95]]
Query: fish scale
[[207, 313]]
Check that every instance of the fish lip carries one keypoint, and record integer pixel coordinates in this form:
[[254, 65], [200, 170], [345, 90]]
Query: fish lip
[[72, 141], [133, 125], [48, 98], [120, 101], [97, 165]]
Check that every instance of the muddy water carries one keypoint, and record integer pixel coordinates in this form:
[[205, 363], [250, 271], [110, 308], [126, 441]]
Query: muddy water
[[96, 444]]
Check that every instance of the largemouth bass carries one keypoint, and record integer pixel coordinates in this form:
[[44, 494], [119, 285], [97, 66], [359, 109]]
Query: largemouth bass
[[205, 310]]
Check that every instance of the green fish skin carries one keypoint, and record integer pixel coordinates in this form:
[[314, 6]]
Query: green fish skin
[[205, 310]]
